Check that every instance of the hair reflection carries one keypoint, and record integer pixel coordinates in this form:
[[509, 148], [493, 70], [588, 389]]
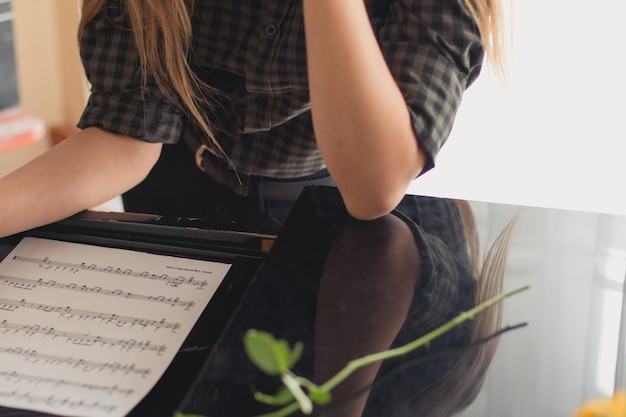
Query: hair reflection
[[416, 270]]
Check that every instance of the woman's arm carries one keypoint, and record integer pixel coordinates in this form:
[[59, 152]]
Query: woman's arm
[[361, 121], [382, 260], [85, 170]]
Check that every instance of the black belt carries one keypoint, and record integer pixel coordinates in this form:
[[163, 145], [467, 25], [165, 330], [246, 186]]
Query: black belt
[[247, 185]]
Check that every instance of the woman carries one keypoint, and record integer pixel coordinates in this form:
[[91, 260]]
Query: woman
[[265, 98]]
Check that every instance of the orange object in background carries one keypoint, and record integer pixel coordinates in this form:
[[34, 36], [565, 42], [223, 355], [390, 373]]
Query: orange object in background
[[18, 129], [609, 407]]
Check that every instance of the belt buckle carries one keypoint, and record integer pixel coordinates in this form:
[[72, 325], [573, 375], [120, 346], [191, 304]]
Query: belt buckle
[[232, 182], [199, 157]]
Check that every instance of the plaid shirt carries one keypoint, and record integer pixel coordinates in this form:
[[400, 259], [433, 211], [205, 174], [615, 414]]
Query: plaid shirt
[[253, 52]]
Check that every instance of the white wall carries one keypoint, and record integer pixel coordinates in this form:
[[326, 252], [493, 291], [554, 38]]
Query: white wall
[[555, 135]]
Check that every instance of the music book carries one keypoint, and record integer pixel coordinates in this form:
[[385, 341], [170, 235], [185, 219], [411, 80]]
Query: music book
[[88, 330]]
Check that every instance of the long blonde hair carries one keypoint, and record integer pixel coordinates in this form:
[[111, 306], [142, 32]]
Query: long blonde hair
[[163, 34]]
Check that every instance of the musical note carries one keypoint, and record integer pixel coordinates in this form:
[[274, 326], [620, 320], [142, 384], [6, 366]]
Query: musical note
[[31, 284], [105, 318], [86, 365], [73, 268], [56, 401], [16, 377], [84, 339]]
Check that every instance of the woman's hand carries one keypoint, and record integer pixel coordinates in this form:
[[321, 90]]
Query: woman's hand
[[83, 171], [361, 120]]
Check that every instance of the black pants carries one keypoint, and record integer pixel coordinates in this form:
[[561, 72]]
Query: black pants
[[176, 187]]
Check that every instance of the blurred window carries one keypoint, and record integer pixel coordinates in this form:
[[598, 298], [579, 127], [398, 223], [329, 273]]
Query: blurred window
[[8, 78]]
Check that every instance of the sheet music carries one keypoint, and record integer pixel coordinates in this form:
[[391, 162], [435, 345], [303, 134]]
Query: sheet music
[[88, 331]]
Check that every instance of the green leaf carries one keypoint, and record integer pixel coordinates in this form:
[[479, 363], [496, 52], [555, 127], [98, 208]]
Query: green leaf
[[295, 354], [179, 414], [282, 397], [274, 357]]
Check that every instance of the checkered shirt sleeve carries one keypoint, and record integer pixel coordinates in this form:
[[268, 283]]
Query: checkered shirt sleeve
[[434, 50], [117, 103]]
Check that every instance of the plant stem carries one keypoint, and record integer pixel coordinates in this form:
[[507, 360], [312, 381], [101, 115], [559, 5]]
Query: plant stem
[[402, 350], [291, 382], [285, 411]]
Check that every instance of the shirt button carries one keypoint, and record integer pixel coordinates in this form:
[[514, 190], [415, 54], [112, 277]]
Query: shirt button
[[271, 30]]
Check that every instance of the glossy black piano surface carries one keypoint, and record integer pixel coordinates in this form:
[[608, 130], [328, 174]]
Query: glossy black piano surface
[[346, 288]]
